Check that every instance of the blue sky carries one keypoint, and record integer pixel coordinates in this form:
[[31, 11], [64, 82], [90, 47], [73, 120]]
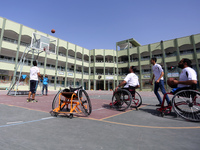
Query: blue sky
[[99, 24]]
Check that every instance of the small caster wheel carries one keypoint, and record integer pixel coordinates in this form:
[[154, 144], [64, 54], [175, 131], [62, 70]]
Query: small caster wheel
[[71, 116], [162, 114], [53, 114]]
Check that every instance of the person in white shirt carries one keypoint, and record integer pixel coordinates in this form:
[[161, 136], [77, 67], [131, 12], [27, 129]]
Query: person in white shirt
[[188, 76], [130, 81], [34, 73], [159, 81]]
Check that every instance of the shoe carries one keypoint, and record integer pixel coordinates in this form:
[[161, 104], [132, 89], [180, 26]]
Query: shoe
[[34, 100], [28, 99], [158, 105]]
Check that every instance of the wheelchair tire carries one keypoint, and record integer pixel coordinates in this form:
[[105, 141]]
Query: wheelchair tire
[[121, 100], [186, 104], [85, 103], [137, 100], [55, 102]]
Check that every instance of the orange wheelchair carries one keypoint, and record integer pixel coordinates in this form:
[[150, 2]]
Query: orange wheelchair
[[71, 101]]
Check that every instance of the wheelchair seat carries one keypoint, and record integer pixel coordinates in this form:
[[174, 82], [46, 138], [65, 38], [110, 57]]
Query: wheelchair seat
[[67, 94], [192, 87], [74, 89]]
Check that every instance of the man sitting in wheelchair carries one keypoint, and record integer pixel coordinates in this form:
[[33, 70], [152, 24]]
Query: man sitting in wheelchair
[[131, 82], [187, 78]]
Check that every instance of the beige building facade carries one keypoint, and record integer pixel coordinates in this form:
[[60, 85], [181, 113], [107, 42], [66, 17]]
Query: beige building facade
[[96, 69]]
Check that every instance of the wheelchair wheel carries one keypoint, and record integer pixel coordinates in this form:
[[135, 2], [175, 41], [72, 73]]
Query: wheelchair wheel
[[121, 100], [186, 103], [85, 103], [137, 100], [55, 102]]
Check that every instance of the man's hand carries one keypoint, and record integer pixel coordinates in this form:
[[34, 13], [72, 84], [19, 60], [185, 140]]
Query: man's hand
[[157, 81], [116, 88], [175, 82], [151, 82]]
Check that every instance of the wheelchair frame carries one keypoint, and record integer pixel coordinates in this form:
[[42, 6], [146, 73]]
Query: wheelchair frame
[[185, 103], [74, 101], [126, 100]]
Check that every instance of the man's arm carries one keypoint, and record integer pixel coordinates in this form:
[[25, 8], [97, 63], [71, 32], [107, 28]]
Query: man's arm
[[122, 83], [152, 79], [188, 82], [162, 73], [39, 75]]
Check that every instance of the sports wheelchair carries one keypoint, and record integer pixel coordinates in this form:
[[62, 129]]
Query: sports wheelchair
[[185, 103], [71, 101], [124, 98]]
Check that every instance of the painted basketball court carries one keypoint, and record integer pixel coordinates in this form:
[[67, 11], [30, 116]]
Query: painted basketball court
[[30, 126]]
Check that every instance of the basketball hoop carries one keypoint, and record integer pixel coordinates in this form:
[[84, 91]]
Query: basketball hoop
[[46, 50]]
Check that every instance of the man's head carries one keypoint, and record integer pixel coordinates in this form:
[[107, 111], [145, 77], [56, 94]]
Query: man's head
[[46, 76], [132, 69], [34, 63], [184, 63], [153, 60]]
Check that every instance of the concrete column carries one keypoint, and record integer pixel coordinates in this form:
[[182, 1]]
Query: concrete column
[[94, 71], [82, 82], [113, 71], [75, 67], [128, 54], [117, 64], [150, 54], [89, 72], [2, 32], [140, 69], [66, 65], [164, 63], [56, 67]]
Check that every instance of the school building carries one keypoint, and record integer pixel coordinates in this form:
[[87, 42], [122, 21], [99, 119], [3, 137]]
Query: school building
[[96, 69]]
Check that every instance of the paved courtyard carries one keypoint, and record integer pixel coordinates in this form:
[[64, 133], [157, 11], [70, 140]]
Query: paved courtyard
[[29, 126]]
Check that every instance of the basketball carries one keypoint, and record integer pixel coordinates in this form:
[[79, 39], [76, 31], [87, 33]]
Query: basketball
[[170, 82], [53, 31]]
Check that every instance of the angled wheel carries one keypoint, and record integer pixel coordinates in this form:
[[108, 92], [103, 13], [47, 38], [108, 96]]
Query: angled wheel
[[85, 103], [186, 103], [121, 100], [55, 103], [137, 100]]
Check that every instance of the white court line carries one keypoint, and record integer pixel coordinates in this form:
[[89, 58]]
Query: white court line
[[14, 122], [21, 122]]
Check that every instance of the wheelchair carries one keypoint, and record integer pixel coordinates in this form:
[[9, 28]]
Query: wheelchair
[[71, 101], [185, 103], [123, 98]]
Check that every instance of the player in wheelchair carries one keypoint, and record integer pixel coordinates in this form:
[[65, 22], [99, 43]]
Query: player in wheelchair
[[186, 99], [124, 97]]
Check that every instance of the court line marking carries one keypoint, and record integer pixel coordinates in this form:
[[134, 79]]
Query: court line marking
[[14, 122], [20, 123], [102, 120]]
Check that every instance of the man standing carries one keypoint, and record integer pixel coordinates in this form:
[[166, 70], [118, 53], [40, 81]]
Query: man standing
[[34, 73], [45, 84], [159, 82]]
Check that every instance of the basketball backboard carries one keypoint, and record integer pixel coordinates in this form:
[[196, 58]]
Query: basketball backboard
[[43, 43]]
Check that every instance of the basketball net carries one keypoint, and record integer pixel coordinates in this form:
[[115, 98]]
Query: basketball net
[[46, 50]]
